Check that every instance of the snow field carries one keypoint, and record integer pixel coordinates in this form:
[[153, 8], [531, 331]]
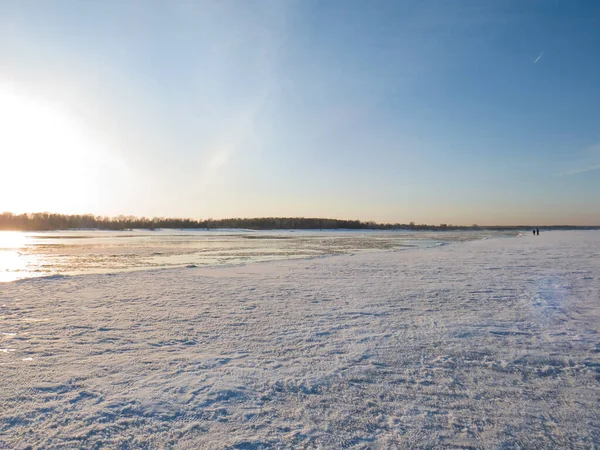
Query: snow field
[[483, 344]]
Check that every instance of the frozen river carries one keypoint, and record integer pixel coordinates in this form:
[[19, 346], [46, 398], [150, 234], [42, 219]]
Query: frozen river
[[27, 255], [487, 344]]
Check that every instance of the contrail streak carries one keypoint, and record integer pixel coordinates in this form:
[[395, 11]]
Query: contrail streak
[[538, 58]]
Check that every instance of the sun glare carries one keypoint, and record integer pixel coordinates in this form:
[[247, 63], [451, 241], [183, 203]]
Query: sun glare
[[12, 264], [46, 157], [12, 240]]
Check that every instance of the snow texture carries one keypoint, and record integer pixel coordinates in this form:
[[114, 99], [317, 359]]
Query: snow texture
[[483, 344]]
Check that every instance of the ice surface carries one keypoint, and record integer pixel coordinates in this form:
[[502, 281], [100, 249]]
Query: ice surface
[[483, 344], [26, 255]]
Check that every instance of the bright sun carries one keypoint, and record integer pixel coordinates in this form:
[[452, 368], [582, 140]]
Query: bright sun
[[47, 161]]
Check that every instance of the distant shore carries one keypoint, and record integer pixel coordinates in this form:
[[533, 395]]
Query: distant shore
[[52, 222]]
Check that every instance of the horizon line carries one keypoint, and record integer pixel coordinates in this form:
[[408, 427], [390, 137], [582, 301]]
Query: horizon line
[[364, 223]]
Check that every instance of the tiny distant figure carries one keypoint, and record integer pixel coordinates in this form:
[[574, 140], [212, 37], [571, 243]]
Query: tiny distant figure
[[537, 230], [534, 231]]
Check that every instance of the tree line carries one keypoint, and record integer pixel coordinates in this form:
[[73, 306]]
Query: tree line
[[48, 221]]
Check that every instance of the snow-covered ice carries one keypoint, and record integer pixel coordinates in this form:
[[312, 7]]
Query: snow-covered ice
[[484, 344]]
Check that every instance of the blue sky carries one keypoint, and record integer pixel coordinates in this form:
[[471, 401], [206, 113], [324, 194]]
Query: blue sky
[[428, 111]]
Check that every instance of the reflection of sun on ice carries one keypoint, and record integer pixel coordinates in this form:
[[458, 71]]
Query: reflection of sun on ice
[[12, 240], [12, 265], [47, 161]]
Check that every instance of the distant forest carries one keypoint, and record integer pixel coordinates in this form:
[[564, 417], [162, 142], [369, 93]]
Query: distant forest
[[48, 221]]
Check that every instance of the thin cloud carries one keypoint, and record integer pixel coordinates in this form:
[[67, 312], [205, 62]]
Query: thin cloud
[[538, 58], [582, 170], [587, 161]]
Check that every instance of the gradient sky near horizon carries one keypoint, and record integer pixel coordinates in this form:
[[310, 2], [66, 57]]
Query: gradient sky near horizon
[[455, 112]]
